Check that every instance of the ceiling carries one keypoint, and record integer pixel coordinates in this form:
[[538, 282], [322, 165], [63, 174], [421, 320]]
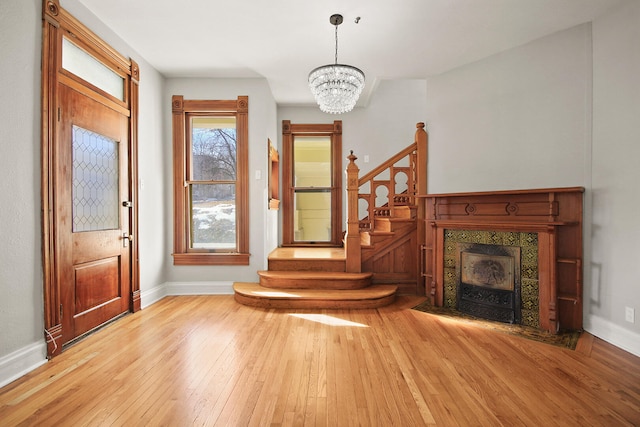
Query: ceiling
[[282, 40]]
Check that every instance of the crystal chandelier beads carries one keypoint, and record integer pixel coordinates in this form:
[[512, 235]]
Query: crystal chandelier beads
[[336, 87]]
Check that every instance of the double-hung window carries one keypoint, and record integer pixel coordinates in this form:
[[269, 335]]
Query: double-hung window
[[210, 141]]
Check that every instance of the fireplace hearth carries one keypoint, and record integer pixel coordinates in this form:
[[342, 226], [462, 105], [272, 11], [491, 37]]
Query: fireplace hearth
[[489, 281]]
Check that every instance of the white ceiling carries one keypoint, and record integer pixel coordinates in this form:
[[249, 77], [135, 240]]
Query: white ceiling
[[282, 40]]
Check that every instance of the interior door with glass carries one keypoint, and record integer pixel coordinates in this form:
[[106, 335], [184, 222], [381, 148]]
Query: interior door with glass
[[312, 173], [92, 213]]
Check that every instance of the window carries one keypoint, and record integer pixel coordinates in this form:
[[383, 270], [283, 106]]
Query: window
[[312, 184], [85, 66], [210, 139]]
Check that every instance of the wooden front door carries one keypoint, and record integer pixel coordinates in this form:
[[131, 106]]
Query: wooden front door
[[92, 213]]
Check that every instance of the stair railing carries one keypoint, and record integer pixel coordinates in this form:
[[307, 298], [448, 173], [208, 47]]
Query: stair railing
[[412, 162]]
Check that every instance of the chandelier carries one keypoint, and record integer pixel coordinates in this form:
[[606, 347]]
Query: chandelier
[[336, 87]]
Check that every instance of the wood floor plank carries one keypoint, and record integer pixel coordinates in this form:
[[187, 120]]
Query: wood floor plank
[[207, 360]]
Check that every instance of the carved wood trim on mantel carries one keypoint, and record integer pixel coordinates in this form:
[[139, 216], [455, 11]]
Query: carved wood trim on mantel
[[555, 214]]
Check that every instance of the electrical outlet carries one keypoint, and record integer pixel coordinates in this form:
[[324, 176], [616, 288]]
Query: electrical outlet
[[629, 314]]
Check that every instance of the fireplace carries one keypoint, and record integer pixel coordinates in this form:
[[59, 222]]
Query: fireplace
[[488, 278], [546, 226]]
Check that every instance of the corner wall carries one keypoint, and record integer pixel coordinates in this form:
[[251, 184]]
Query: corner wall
[[516, 120], [614, 271], [22, 345]]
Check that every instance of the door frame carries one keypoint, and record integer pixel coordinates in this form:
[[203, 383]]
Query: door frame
[[57, 22], [289, 131]]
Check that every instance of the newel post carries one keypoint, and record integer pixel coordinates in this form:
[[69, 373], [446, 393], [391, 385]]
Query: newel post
[[352, 238], [422, 150]]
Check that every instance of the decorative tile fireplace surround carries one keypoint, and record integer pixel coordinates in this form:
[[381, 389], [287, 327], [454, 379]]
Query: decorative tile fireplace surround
[[538, 231]]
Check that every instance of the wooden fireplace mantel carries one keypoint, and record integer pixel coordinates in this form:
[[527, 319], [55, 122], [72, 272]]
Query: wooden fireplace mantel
[[555, 214]]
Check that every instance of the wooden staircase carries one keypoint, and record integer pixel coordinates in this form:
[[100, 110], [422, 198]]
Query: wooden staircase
[[381, 249]]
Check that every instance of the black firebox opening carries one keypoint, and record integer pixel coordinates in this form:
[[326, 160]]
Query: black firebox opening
[[489, 282]]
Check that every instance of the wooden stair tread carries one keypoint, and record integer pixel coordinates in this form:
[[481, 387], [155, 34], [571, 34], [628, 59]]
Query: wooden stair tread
[[337, 275], [304, 253], [370, 292], [307, 259], [373, 296], [375, 232], [314, 279]]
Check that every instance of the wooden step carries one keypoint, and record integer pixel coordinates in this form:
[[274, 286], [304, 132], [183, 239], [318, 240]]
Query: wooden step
[[370, 238], [391, 224], [314, 279], [254, 295], [401, 212], [307, 259]]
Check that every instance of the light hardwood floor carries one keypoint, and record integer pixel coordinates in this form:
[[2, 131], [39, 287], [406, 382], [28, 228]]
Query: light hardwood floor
[[207, 360]]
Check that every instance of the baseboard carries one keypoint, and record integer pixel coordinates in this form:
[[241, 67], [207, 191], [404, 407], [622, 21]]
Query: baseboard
[[22, 361], [152, 295], [614, 334], [199, 288]]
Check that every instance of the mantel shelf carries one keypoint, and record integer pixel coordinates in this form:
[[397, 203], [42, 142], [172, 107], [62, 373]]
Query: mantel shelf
[[525, 226], [502, 193]]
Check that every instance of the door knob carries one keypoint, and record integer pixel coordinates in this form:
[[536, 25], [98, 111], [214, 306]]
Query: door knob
[[126, 238]]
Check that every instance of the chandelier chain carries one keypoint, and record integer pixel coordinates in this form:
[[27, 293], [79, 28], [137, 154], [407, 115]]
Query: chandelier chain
[[336, 59]]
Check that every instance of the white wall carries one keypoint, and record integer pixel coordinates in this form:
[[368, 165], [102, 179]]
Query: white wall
[[262, 126], [21, 301], [516, 120], [152, 192], [615, 260], [22, 345]]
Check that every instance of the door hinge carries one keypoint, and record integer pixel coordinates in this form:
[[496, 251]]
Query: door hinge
[[60, 311], [58, 113]]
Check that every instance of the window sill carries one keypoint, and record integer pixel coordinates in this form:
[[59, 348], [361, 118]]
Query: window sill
[[210, 259]]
